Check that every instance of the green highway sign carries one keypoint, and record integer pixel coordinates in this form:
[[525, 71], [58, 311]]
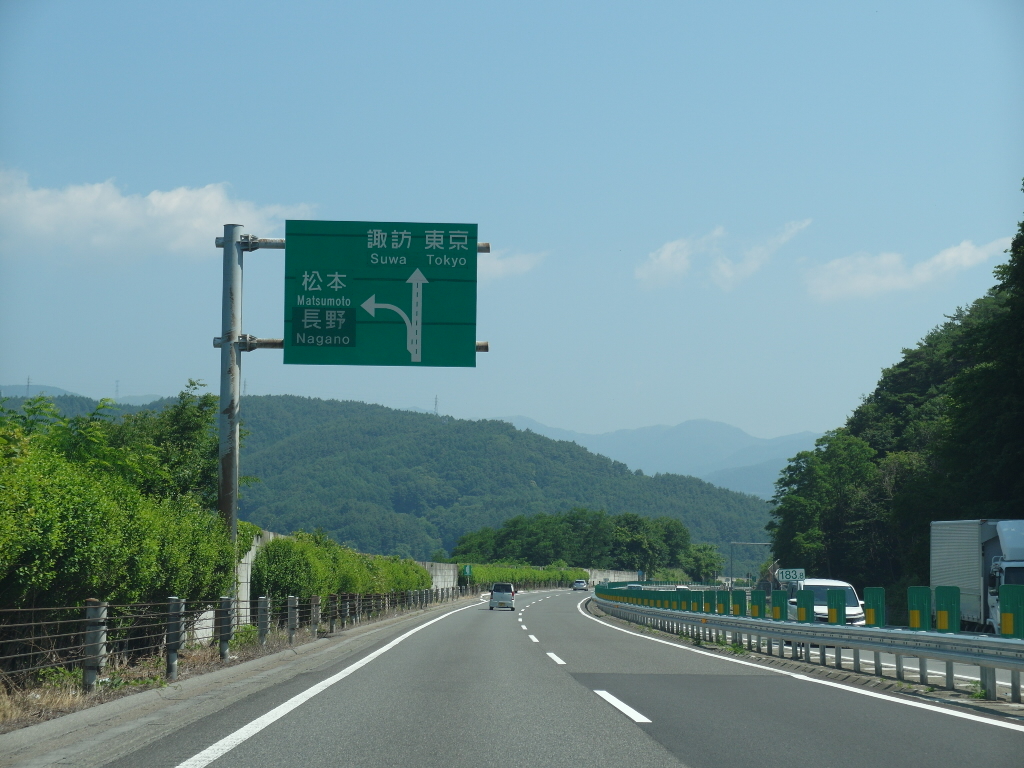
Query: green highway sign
[[791, 574], [380, 293]]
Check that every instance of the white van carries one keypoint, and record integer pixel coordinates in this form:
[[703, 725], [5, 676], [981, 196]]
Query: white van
[[503, 595], [854, 605]]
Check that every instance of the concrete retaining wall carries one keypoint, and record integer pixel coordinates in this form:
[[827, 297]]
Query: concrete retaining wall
[[597, 575], [442, 575]]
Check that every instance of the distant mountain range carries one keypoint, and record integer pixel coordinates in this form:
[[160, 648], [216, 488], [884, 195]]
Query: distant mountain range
[[711, 450], [32, 390]]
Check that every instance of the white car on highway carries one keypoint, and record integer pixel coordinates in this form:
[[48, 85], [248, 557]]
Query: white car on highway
[[854, 605], [503, 595], [580, 584]]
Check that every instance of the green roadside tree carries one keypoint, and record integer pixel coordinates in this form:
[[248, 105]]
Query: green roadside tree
[[705, 561], [985, 450], [818, 499]]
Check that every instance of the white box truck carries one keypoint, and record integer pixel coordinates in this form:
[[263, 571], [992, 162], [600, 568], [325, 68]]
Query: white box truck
[[978, 556]]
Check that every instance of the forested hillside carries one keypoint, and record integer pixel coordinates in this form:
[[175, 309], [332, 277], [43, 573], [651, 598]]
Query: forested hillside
[[940, 438], [392, 481]]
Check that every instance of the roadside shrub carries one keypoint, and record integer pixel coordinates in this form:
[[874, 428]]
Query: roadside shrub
[[308, 564], [69, 532], [520, 574]]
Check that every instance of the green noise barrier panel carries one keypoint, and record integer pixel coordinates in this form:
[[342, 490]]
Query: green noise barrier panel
[[697, 601], [739, 602], [683, 596], [947, 609], [1011, 610], [836, 606], [805, 606], [874, 606], [758, 603], [919, 608], [780, 603], [722, 602]]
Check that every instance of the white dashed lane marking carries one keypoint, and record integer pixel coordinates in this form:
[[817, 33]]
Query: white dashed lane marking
[[625, 709], [559, 661], [534, 639]]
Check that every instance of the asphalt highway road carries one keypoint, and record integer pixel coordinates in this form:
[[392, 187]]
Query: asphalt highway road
[[549, 685]]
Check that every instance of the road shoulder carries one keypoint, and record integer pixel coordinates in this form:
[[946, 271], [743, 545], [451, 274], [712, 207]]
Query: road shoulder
[[105, 732]]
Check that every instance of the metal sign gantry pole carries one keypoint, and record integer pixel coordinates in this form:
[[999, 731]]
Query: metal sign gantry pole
[[232, 342]]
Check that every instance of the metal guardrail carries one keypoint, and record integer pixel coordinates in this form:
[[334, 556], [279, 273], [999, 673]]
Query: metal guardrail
[[986, 652]]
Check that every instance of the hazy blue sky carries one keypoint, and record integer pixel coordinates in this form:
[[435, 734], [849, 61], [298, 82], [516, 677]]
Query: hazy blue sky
[[738, 211]]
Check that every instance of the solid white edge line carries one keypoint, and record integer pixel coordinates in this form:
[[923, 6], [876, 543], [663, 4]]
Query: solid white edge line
[[533, 638], [232, 740], [798, 676], [624, 708], [555, 658]]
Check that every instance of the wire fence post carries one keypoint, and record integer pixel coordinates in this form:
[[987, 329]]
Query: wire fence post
[[293, 617], [263, 619], [225, 626], [333, 608], [95, 642], [175, 608], [314, 615]]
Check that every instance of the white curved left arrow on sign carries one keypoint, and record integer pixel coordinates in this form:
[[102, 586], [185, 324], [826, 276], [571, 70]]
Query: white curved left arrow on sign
[[413, 326]]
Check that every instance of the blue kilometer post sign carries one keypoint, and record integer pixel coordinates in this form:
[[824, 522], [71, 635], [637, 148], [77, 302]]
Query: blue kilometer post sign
[[380, 293]]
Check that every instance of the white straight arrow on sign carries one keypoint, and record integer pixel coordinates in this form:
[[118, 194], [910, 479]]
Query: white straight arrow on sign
[[413, 336], [414, 341]]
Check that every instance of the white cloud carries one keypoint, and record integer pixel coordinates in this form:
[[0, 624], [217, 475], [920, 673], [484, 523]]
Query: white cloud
[[672, 260], [866, 275], [727, 273], [98, 220], [492, 266]]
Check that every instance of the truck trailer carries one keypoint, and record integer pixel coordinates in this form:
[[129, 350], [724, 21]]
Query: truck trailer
[[978, 556]]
